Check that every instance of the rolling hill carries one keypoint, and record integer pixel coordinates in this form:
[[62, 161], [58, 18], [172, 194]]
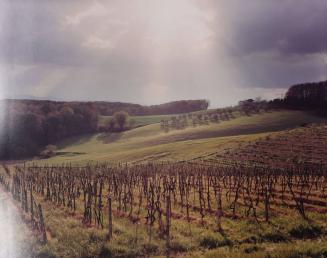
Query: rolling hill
[[150, 142]]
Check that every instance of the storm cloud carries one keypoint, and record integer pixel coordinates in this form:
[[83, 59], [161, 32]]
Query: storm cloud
[[153, 51]]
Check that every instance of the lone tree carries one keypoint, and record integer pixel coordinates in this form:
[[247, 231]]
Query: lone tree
[[49, 151], [111, 124], [121, 119]]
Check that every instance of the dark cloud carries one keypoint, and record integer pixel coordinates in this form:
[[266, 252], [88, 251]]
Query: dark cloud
[[291, 27]]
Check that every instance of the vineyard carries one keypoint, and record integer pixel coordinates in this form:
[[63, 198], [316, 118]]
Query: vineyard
[[303, 145], [201, 118], [164, 202]]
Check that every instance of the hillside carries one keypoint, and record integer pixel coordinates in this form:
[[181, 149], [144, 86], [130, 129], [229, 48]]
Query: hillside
[[303, 145], [152, 143], [137, 120], [28, 126]]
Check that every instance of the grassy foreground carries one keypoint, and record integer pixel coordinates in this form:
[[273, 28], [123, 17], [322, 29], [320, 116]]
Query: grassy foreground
[[282, 237]]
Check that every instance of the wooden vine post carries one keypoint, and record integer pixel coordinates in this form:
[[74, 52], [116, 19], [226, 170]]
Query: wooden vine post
[[42, 226], [110, 218], [168, 222], [32, 207]]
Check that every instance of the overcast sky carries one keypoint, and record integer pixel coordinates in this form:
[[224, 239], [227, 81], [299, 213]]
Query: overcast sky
[[154, 51]]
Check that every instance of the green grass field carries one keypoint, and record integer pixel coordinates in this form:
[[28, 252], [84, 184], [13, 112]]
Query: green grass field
[[138, 120], [147, 120], [149, 143]]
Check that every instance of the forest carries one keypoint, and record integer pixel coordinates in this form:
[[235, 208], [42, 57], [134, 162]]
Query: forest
[[307, 95], [29, 125]]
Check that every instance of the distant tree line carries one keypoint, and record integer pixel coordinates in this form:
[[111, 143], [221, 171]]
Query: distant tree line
[[175, 107], [307, 95], [27, 126]]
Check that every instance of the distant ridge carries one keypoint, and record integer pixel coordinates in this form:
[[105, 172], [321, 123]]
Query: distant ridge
[[109, 108]]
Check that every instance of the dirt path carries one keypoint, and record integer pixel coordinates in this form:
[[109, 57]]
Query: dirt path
[[14, 235]]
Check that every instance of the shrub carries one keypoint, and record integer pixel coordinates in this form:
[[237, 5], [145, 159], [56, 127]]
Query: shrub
[[250, 240], [105, 252], [49, 151], [302, 231], [303, 251], [212, 242], [45, 253], [94, 237], [274, 237], [252, 249], [150, 248], [178, 247], [121, 119]]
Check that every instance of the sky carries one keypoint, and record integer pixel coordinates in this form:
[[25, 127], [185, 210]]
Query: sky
[[155, 51]]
